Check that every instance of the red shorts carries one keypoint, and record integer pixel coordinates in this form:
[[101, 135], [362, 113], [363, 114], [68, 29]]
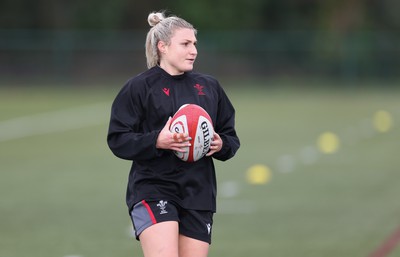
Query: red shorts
[[192, 223]]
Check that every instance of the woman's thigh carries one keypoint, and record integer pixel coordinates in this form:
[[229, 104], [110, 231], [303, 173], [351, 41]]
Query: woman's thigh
[[189, 247], [161, 240]]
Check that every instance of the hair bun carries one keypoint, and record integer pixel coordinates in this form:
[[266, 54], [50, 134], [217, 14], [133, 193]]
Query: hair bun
[[154, 18]]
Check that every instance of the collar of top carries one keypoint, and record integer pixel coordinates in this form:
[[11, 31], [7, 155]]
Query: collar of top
[[166, 74]]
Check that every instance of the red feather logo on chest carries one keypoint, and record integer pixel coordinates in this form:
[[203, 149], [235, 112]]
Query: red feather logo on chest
[[199, 89]]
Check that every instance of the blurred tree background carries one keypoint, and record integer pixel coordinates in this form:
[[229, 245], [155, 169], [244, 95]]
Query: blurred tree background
[[349, 39]]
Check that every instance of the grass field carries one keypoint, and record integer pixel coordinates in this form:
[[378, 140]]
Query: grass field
[[62, 191]]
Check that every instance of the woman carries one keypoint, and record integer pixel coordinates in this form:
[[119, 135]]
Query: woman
[[171, 202]]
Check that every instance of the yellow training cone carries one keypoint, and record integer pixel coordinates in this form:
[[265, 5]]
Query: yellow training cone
[[258, 174], [328, 143]]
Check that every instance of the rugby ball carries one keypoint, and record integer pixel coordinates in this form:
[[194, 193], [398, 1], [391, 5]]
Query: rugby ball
[[195, 121]]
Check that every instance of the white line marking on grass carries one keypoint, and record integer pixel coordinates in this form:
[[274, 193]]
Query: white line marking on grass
[[55, 121]]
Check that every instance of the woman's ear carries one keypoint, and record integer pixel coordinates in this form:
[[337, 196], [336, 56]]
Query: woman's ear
[[161, 46]]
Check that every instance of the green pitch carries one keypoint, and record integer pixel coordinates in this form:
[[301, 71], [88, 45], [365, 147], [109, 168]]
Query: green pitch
[[317, 174]]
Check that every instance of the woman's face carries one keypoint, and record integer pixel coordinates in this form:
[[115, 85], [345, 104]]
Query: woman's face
[[179, 55]]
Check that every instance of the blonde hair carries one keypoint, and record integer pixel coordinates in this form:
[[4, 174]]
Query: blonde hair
[[162, 29]]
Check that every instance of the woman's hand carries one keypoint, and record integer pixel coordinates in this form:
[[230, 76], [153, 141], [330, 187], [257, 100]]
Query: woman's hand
[[216, 145], [172, 141]]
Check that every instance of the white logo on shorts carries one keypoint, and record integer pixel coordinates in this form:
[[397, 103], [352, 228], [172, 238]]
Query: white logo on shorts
[[208, 228], [162, 204]]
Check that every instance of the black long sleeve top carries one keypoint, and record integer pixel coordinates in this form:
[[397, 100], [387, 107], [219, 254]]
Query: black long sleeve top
[[140, 111]]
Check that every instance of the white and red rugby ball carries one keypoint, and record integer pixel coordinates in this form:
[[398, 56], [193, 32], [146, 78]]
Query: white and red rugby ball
[[195, 121]]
